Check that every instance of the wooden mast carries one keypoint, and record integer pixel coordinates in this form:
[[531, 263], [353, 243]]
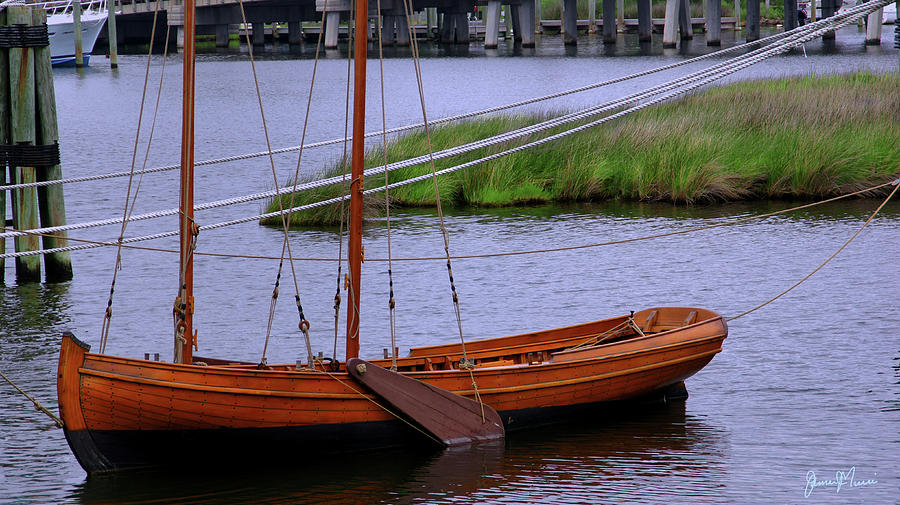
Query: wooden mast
[[357, 154], [186, 224]]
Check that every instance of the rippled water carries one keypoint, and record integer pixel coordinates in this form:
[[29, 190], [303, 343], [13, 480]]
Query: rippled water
[[810, 383]]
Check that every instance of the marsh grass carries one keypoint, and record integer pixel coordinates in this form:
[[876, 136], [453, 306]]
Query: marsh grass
[[806, 137]]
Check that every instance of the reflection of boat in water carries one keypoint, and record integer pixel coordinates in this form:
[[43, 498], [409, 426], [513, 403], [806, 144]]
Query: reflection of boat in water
[[61, 29], [610, 461], [124, 413]]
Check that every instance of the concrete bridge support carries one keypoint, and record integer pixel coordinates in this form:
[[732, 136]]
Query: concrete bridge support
[[492, 24], [222, 35], [455, 25], [259, 33], [790, 15], [295, 32], [570, 23], [713, 22], [526, 23], [645, 28], [670, 28], [873, 28], [401, 24], [753, 19], [387, 29], [828, 9], [516, 19], [609, 21], [332, 23]]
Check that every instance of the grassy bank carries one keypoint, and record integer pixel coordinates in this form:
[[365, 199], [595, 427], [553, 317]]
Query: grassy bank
[[798, 138]]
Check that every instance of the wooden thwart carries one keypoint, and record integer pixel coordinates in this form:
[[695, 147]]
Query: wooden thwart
[[453, 419]]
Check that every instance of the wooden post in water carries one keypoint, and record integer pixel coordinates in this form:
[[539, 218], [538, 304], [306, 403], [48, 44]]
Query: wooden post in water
[[4, 140], [713, 22], [645, 27], [22, 133], [492, 24], [592, 16], [526, 15], [828, 9], [790, 15], [753, 19], [737, 15], [76, 25], [670, 28], [873, 28], [684, 20], [620, 15], [570, 23], [111, 30], [537, 17], [51, 202], [609, 21]]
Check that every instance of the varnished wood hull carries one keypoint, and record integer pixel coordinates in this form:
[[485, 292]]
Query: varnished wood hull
[[124, 413]]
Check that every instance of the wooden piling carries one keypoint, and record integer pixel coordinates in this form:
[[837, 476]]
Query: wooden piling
[[828, 9], [713, 22], [51, 202], [22, 132], [684, 20], [609, 21], [4, 139], [790, 15], [76, 25], [113, 38], [570, 23], [873, 28], [670, 28], [492, 24], [527, 17], [620, 15], [753, 19], [645, 28], [592, 16]]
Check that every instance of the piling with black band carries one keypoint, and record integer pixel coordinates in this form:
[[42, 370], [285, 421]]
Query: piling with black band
[[26, 155], [14, 36]]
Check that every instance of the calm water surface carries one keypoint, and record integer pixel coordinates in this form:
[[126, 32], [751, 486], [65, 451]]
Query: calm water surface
[[811, 383]]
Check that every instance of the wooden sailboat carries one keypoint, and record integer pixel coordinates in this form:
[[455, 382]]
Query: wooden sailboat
[[124, 413]]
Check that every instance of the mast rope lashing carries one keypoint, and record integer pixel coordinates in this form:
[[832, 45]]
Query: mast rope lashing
[[37, 404]]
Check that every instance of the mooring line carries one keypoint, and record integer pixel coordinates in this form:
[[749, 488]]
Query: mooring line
[[896, 184], [37, 404], [89, 244]]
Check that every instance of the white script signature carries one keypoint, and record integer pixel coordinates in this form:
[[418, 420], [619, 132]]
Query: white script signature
[[841, 480]]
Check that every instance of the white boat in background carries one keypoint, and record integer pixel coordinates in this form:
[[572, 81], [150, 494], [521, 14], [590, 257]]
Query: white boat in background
[[61, 29]]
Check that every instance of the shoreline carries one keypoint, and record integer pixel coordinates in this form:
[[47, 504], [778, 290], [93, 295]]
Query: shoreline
[[795, 138]]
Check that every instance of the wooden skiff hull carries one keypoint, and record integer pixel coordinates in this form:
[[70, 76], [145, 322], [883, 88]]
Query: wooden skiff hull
[[124, 413]]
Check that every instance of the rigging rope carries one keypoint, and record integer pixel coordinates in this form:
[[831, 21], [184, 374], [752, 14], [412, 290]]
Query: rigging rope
[[95, 243], [692, 81], [344, 185], [392, 318], [400, 129], [129, 207], [465, 363], [286, 244]]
